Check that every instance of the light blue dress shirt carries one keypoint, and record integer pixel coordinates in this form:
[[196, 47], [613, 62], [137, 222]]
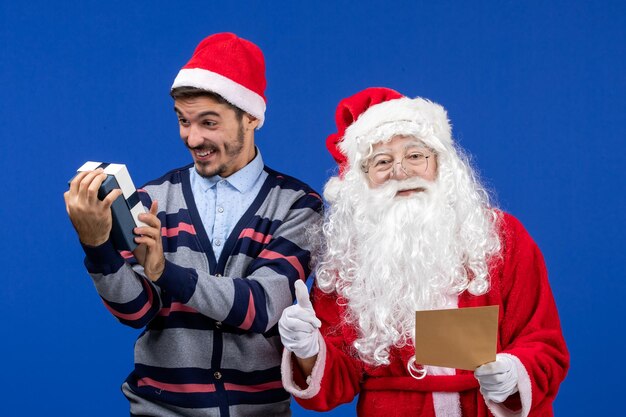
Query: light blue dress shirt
[[221, 202]]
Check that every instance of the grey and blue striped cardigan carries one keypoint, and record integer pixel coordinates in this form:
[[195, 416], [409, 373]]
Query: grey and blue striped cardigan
[[210, 345]]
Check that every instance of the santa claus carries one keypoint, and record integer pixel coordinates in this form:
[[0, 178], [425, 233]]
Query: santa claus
[[409, 227]]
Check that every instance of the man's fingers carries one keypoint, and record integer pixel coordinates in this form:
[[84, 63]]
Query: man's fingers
[[94, 185], [152, 228], [302, 295], [88, 179], [75, 183], [85, 185], [151, 220], [146, 240], [111, 197], [148, 232], [154, 208], [140, 252]]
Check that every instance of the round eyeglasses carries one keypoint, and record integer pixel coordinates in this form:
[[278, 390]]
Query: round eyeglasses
[[382, 167]]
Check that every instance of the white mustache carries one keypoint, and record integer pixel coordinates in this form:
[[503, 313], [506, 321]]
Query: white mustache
[[392, 187]]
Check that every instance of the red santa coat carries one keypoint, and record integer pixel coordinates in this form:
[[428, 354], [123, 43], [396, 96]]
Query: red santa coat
[[529, 332]]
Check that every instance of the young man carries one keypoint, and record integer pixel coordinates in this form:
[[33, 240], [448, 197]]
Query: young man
[[410, 228], [223, 245]]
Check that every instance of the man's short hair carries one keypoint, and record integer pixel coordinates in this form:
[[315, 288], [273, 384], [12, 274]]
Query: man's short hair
[[182, 93]]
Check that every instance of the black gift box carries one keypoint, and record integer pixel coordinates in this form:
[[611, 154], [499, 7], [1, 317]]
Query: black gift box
[[125, 208]]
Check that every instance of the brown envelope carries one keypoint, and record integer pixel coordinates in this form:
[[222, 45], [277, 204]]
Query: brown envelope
[[461, 338]]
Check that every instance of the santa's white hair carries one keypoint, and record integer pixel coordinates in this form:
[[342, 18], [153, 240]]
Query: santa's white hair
[[387, 256]]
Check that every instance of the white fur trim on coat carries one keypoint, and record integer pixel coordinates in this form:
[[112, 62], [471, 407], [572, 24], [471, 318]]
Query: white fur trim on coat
[[446, 404], [314, 380]]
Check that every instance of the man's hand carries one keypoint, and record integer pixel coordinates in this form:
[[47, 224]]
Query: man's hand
[[298, 325], [91, 217], [149, 253], [498, 379]]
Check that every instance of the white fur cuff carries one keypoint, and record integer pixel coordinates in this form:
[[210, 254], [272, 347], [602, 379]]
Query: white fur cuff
[[314, 380]]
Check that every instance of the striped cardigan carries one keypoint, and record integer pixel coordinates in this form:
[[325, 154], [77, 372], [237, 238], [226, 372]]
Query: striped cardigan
[[210, 346]]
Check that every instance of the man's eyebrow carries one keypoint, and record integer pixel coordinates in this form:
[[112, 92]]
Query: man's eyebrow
[[203, 114], [209, 113]]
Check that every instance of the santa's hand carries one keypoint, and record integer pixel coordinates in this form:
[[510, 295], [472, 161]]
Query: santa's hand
[[498, 379], [298, 325]]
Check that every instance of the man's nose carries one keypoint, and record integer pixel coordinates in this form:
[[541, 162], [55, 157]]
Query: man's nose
[[194, 137]]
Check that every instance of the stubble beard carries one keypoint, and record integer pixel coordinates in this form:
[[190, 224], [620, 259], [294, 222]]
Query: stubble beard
[[231, 151]]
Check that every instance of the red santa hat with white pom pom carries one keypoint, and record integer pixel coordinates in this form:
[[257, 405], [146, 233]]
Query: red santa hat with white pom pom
[[377, 114], [231, 67]]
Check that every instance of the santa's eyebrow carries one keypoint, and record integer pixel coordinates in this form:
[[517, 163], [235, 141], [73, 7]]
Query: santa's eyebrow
[[381, 151], [416, 143], [412, 144]]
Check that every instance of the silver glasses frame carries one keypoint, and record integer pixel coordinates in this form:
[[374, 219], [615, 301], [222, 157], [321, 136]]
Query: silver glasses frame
[[366, 166]]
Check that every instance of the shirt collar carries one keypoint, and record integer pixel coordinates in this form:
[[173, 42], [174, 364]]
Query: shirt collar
[[241, 180]]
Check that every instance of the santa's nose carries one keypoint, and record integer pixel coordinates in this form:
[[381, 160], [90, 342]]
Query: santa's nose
[[398, 171]]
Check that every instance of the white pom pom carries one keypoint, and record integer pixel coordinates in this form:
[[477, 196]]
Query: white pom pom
[[332, 189]]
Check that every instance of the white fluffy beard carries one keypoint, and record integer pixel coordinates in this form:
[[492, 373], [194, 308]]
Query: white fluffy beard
[[402, 254]]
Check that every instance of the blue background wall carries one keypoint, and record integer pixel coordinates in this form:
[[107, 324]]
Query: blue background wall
[[536, 92]]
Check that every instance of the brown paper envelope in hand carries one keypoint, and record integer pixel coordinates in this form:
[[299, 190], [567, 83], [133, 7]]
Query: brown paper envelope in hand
[[461, 338]]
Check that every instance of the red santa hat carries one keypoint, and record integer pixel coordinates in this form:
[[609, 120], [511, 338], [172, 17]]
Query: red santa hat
[[377, 114], [349, 110], [230, 66]]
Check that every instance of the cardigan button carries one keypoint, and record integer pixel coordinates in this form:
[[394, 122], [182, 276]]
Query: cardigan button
[[218, 324], [217, 375]]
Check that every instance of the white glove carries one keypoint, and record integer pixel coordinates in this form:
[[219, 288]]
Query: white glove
[[497, 379], [298, 326]]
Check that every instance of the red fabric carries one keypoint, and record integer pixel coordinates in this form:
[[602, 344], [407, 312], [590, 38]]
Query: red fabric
[[232, 57], [408, 383], [348, 110], [529, 329]]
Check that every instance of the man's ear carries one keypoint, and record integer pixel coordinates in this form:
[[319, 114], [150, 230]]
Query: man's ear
[[250, 122]]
